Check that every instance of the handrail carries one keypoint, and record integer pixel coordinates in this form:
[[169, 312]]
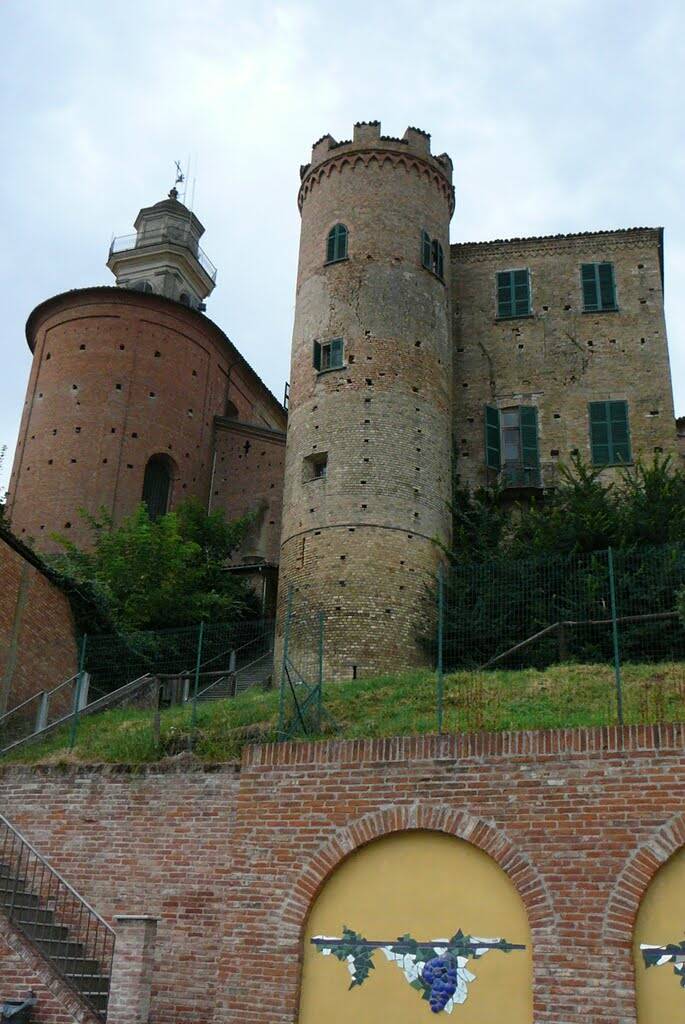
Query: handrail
[[55, 919], [38, 693], [48, 865]]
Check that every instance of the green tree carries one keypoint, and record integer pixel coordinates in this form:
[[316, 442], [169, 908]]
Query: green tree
[[162, 573]]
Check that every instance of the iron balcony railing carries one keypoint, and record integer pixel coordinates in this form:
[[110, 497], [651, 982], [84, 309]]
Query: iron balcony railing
[[55, 920], [515, 476], [165, 236]]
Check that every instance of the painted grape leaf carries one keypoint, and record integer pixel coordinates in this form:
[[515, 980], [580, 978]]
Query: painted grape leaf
[[436, 969]]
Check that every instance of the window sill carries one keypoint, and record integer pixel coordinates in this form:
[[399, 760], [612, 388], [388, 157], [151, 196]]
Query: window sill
[[433, 274], [612, 465], [341, 259], [331, 369], [516, 316]]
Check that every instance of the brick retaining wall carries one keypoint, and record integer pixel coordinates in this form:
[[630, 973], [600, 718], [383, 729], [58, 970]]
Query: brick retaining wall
[[229, 860]]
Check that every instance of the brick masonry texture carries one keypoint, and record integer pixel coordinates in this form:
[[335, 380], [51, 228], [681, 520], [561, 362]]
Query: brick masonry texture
[[230, 859], [561, 358], [38, 647], [384, 417], [117, 377]]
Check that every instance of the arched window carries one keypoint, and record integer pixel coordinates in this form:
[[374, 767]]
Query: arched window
[[157, 485], [336, 248]]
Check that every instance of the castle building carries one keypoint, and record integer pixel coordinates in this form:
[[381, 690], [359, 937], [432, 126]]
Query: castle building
[[413, 361]]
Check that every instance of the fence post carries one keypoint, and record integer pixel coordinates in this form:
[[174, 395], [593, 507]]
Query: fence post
[[198, 660], [77, 694], [614, 632], [439, 666], [284, 662], [319, 703]]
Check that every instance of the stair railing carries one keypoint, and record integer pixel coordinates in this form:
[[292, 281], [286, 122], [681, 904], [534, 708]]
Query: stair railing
[[55, 919]]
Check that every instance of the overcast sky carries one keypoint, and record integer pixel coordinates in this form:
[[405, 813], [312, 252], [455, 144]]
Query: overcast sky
[[560, 115]]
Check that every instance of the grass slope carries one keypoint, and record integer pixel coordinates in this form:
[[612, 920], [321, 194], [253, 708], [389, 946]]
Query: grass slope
[[560, 696]]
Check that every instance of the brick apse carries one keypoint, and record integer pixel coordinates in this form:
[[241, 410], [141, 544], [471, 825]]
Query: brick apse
[[231, 858]]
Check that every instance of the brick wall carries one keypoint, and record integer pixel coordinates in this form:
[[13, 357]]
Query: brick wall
[[117, 377], [230, 861], [38, 647], [560, 358]]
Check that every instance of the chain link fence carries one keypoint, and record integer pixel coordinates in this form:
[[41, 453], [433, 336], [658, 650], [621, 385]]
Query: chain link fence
[[579, 639]]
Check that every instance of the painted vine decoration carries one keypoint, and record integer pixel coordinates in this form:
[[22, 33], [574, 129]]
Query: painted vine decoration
[[435, 968], [657, 956]]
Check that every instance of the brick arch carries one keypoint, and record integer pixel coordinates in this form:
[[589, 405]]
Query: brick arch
[[636, 877], [417, 816]]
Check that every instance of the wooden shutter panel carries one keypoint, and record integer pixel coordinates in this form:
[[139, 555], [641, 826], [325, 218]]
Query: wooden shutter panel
[[619, 433], [316, 358], [336, 352], [590, 289], [607, 292], [493, 443], [600, 440], [530, 453], [505, 297], [521, 292], [426, 254]]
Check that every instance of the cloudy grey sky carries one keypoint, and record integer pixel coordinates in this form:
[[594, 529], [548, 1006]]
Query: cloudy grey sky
[[560, 115]]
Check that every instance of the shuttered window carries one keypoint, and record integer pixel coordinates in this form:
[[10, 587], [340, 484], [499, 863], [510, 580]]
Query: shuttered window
[[609, 433], [513, 293], [328, 355], [336, 246], [599, 290], [511, 437]]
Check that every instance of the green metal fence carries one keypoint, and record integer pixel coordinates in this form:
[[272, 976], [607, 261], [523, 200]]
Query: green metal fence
[[301, 710], [613, 612]]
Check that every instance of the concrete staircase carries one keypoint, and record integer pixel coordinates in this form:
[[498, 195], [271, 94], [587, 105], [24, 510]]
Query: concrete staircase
[[55, 920]]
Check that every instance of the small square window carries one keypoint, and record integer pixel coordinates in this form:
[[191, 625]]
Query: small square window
[[328, 355], [315, 467]]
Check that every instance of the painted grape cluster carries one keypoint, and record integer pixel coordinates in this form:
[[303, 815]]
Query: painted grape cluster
[[440, 975]]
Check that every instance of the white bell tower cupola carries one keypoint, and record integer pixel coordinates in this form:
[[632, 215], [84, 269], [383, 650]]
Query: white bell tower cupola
[[164, 255]]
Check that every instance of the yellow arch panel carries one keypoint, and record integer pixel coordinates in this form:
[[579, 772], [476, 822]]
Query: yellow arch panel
[[661, 922], [428, 885]]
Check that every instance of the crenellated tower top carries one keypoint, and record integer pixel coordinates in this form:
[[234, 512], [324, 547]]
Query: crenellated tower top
[[367, 144]]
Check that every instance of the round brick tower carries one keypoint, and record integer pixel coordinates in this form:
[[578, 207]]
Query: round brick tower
[[368, 457], [124, 386]]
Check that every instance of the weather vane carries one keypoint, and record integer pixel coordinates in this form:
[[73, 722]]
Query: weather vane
[[180, 178]]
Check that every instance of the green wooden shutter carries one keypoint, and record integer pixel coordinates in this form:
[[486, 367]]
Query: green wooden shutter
[[521, 292], [493, 443], [618, 428], [317, 356], [336, 357], [605, 281], [426, 254], [505, 305], [600, 439], [530, 453], [589, 281]]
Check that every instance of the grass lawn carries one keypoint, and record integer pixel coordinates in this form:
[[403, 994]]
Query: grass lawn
[[560, 696]]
